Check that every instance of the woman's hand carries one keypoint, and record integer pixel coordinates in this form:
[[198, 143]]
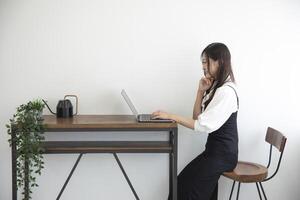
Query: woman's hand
[[205, 84], [184, 121], [161, 115]]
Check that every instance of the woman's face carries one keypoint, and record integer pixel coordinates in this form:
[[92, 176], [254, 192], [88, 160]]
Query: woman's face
[[211, 71]]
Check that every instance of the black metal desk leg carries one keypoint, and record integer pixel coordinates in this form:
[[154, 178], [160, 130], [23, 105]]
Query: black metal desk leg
[[173, 165], [126, 177], [26, 183], [69, 177], [14, 165]]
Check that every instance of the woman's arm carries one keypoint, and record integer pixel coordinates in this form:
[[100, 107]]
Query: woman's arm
[[184, 121], [197, 105], [204, 84]]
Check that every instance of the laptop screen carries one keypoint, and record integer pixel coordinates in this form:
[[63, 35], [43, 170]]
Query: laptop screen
[[130, 104]]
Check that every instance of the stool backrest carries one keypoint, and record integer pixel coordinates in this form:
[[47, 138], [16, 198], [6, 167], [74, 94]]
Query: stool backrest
[[276, 139]]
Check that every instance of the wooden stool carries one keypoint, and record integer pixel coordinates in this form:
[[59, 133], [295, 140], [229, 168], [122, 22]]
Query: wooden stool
[[247, 172]]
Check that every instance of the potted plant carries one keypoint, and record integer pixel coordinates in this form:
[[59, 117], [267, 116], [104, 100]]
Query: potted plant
[[27, 129]]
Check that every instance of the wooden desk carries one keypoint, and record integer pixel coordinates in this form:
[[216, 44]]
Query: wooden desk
[[108, 123]]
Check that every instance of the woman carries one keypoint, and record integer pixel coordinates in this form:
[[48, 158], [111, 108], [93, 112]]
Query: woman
[[215, 113]]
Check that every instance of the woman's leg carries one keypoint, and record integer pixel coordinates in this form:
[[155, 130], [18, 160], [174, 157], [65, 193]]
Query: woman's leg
[[198, 180], [215, 193]]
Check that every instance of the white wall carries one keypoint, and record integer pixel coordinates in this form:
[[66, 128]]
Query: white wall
[[95, 48]]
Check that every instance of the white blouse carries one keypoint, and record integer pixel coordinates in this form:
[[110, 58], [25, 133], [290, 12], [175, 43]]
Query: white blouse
[[218, 111]]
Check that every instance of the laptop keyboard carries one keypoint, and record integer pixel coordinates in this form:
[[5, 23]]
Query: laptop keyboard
[[145, 117]]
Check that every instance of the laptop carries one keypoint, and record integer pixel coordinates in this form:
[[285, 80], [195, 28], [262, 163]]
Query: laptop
[[142, 117]]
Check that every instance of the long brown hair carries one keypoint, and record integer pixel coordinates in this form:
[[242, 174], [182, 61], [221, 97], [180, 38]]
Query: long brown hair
[[218, 52]]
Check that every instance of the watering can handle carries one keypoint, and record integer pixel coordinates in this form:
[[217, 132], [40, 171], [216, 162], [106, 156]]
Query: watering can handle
[[71, 95]]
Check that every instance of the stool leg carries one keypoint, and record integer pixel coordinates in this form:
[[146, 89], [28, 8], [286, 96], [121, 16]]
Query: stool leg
[[258, 191], [232, 188], [238, 192], [263, 190]]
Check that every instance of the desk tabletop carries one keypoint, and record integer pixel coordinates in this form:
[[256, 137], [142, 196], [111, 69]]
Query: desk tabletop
[[102, 122]]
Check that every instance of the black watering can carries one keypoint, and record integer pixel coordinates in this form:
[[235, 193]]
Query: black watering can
[[64, 107]]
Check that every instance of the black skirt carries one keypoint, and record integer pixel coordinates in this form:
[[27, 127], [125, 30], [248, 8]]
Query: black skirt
[[199, 179]]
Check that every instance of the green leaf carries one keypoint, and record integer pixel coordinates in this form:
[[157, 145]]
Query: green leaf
[[27, 127]]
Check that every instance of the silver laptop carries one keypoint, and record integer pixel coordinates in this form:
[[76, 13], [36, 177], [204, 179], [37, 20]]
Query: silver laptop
[[141, 117]]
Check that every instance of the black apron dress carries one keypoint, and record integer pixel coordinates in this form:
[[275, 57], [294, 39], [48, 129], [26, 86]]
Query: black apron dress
[[199, 179]]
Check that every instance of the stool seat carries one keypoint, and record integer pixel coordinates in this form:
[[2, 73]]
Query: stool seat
[[247, 172]]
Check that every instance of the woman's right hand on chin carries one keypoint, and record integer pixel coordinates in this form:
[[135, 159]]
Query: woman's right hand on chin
[[205, 84]]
